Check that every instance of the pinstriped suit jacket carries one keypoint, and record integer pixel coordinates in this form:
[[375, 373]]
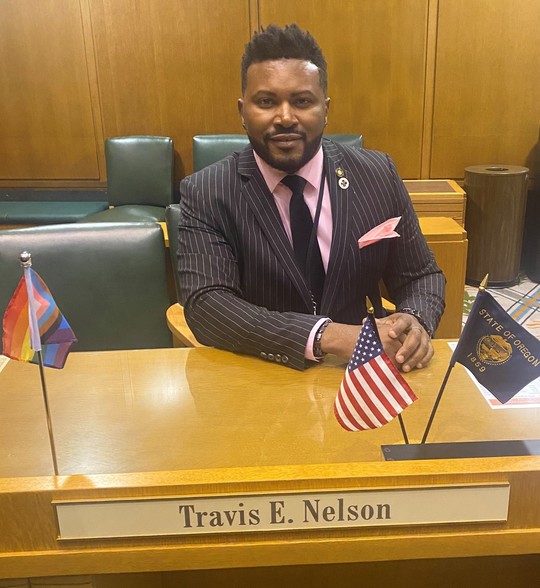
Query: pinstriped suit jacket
[[240, 285]]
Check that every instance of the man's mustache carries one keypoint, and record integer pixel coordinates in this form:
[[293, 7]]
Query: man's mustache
[[283, 131]]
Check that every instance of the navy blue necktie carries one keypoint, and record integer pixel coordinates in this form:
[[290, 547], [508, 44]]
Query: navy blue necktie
[[306, 248]]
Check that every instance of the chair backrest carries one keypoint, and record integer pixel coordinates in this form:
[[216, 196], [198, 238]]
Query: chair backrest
[[140, 170], [208, 149], [172, 218], [108, 279], [354, 141]]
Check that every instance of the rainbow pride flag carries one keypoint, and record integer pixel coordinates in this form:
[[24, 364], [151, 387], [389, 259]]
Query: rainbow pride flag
[[33, 322]]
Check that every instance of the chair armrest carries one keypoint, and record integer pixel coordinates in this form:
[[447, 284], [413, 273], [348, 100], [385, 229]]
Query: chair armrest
[[182, 335], [388, 306]]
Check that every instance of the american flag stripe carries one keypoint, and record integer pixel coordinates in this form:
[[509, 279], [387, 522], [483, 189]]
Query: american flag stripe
[[403, 389], [373, 376], [358, 407], [350, 418], [361, 405], [345, 419], [398, 388], [359, 378], [369, 409], [359, 423]]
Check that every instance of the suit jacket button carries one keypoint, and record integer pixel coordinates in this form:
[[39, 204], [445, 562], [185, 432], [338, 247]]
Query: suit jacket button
[[285, 359], [263, 354], [278, 357], [271, 356]]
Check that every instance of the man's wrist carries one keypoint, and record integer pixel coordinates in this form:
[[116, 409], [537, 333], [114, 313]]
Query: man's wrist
[[318, 353], [418, 316]]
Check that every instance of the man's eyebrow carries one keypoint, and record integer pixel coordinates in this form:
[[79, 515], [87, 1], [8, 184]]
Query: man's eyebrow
[[265, 92], [270, 93], [306, 91]]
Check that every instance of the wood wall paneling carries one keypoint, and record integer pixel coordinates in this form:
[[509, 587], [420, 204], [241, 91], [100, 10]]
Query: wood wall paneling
[[45, 102], [487, 89], [438, 84], [170, 68], [376, 53]]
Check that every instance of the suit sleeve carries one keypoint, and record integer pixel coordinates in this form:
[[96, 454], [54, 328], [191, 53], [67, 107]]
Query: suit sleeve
[[211, 293], [412, 276]]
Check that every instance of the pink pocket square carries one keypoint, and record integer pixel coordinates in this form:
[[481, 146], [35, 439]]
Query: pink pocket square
[[383, 231]]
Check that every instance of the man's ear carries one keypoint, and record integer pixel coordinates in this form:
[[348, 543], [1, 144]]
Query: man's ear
[[241, 111]]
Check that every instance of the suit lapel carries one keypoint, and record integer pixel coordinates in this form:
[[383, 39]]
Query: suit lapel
[[342, 241], [263, 207]]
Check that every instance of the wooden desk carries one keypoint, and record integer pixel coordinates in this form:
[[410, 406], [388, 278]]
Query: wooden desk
[[180, 422]]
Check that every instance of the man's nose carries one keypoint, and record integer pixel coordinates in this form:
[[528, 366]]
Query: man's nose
[[285, 117]]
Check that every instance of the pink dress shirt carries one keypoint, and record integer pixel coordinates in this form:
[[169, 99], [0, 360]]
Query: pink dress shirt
[[312, 173]]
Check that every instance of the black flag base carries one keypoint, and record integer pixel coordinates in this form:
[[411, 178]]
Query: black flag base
[[458, 450]]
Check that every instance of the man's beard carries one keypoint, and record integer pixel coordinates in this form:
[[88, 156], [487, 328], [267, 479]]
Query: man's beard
[[286, 162]]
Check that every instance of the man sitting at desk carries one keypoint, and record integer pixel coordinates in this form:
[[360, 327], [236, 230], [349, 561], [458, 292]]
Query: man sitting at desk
[[269, 259]]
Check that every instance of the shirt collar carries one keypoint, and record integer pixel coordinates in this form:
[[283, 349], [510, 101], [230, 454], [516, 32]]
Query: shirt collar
[[311, 171]]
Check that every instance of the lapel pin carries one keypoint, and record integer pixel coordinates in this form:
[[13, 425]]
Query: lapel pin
[[339, 172], [343, 183]]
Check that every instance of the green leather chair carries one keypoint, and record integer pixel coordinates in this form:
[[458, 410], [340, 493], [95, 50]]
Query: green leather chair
[[140, 179], [108, 279], [208, 149]]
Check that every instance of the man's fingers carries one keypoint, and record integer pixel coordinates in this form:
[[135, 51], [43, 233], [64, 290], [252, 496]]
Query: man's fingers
[[395, 327], [414, 348], [417, 351]]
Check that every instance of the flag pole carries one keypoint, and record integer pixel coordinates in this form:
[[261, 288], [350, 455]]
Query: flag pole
[[25, 259], [46, 402], [436, 405], [371, 317], [482, 287]]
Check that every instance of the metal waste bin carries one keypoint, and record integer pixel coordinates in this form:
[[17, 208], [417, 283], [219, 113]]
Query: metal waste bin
[[494, 220]]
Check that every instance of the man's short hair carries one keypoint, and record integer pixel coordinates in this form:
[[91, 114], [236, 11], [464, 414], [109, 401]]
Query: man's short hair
[[291, 42]]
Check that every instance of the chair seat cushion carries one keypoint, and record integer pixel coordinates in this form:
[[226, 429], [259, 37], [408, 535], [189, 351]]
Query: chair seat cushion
[[46, 212], [128, 213]]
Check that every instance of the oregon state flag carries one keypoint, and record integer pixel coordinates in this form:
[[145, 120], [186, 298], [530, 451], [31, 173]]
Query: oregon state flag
[[32, 322], [502, 355]]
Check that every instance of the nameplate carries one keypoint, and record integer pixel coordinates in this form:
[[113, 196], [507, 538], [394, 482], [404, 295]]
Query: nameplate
[[149, 517]]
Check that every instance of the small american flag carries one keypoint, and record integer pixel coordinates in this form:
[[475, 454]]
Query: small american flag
[[372, 392]]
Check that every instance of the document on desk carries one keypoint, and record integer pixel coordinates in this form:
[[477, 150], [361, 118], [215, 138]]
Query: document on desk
[[3, 362], [528, 397]]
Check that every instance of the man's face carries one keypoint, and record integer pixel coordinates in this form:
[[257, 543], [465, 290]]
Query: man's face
[[284, 111]]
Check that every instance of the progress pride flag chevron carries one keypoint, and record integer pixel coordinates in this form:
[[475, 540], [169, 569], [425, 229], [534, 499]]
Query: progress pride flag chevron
[[373, 391]]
